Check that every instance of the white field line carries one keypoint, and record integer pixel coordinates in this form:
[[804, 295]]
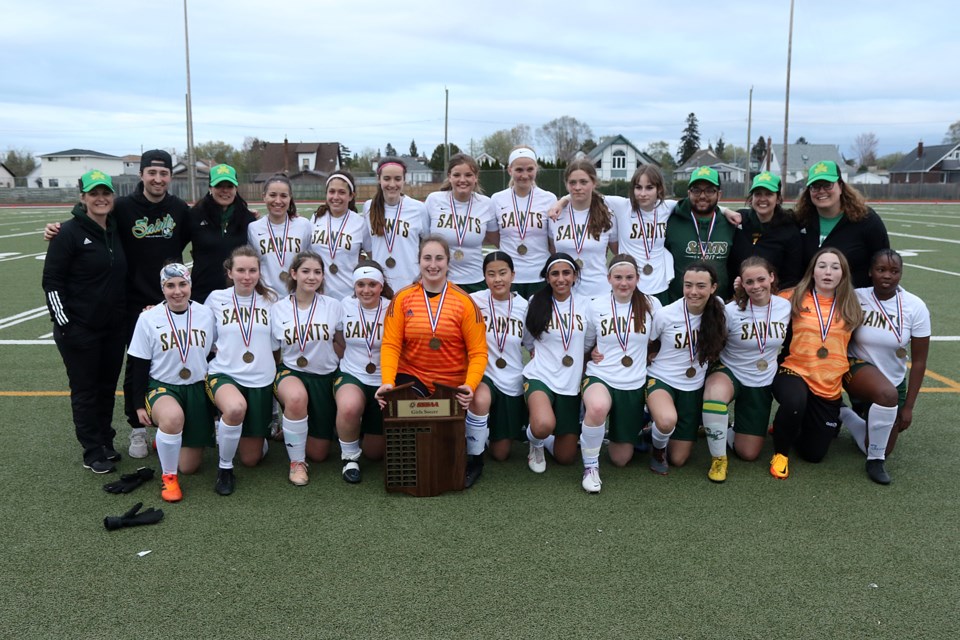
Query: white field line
[[36, 313], [37, 233], [24, 255], [21, 314], [917, 266], [916, 223], [907, 235]]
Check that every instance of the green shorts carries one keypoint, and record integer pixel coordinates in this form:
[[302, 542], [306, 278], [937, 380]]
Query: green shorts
[[197, 411], [474, 286], [626, 412], [861, 408], [566, 409], [689, 405], [751, 405], [321, 407], [527, 289], [372, 421], [508, 414], [256, 422]]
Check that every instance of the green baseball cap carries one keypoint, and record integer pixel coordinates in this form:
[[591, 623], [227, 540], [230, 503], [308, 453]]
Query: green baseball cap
[[94, 178], [766, 180], [706, 174], [825, 170], [221, 173]]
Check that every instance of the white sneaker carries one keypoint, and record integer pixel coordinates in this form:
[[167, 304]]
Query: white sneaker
[[139, 448], [536, 460], [591, 480]]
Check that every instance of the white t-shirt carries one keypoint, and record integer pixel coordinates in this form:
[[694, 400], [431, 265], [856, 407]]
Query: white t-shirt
[[317, 333], [230, 345], [875, 342], [154, 340], [474, 220], [632, 232], [351, 234], [593, 254], [412, 225], [359, 324], [510, 208], [511, 317], [746, 330], [674, 358], [546, 365], [278, 251], [611, 369]]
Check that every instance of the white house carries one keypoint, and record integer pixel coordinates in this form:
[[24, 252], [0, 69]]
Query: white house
[[64, 168], [727, 172], [417, 171], [131, 165], [616, 158], [800, 157], [869, 177], [6, 177]]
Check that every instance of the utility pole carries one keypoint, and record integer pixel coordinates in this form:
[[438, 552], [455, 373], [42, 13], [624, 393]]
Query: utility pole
[[749, 124], [191, 163], [786, 113], [446, 124]]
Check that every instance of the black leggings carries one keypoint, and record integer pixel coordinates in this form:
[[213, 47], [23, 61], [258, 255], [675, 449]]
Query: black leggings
[[804, 421]]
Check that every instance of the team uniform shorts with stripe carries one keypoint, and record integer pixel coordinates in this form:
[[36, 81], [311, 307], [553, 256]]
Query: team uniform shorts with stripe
[[751, 407], [197, 411], [508, 414], [371, 423], [321, 407], [256, 421], [626, 412], [689, 406]]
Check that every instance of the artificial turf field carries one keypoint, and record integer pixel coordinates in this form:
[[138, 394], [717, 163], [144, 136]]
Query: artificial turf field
[[824, 554]]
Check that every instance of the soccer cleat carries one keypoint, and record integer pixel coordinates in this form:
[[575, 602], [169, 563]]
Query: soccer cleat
[[298, 474], [536, 460], [877, 472], [474, 469], [658, 461], [102, 465], [718, 469], [170, 488], [591, 480], [779, 466], [351, 471], [138, 445], [226, 482]]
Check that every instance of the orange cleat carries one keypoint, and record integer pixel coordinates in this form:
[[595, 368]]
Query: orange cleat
[[170, 490]]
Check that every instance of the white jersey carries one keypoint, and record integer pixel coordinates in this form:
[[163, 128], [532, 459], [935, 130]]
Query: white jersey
[[359, 325], [155, 340], [634, 228], [612, 370], [511, 317], [317, 333], [339, 241], [746, 330], [546, 365], [512, 211], [674, 359], [593, 254], [412, 224], [232, 321], [875, 342], [278, 251], [473, 220]]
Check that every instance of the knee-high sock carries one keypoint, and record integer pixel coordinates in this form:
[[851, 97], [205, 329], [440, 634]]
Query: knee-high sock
[[715, 425], [168, 450], [879, 423], [548, 443], [350, 450], [856, 425], [228, 438], [661, 439], [477, 433], [295, 438], [591, 439]]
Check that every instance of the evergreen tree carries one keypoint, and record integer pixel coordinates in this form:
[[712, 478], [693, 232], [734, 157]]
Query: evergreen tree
[[759, 151], [720, 147], [390, 150], [413, 148], [690, 140]]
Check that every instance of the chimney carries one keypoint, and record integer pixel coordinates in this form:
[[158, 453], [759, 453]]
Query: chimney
[[920, 150], [286, 149]]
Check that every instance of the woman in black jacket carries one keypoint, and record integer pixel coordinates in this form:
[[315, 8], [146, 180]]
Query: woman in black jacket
[[84, 279]]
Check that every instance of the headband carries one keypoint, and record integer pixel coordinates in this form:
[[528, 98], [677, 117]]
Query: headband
[[522, 152], [174, 270], [620, 262], [340, 176], [399, 164], [555, 261], [370, 273]]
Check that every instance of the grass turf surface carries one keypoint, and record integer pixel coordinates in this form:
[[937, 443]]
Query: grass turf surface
[[823, 554]]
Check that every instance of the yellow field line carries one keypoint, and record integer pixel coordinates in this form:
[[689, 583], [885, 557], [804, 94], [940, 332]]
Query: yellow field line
[[953, 384]]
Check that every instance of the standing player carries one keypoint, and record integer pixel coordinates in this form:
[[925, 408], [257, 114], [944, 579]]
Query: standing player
[[339, 234], [281, 235]]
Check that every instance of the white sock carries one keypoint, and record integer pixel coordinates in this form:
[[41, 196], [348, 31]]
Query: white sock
[[350, 450], [661, 439], [731, 436], [295, 438], [477, 433], [228, 438], [548, 443], [880, 423], [856, 425], [139, 430], [168, 450], [715, 424], [535, 441], [266, 447], [591, 439]]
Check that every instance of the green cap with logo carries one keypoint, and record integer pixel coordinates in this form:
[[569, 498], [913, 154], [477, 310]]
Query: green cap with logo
[[766, 180], [95, 178], [223, 173], [706, 174], [824, 170]]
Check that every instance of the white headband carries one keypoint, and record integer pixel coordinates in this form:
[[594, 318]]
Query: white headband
[[340, 176], [370, 273], [553, 262], [522, 152], [617, 264]]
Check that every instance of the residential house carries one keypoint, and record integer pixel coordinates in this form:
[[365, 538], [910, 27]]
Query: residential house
[[302, 161], [485, 157], [800, 157], [7, 179], [131, 165], [933, 164], [727, 172], [417, 170], [64, 168], [616, 158], [873, 176]]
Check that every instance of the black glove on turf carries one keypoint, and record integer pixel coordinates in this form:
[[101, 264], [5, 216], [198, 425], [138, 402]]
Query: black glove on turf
[[130, 481], [132, 518]]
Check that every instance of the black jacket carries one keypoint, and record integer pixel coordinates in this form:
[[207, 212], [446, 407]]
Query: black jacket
[[84, 277], [212, 243], [778, 241], [858, 241]]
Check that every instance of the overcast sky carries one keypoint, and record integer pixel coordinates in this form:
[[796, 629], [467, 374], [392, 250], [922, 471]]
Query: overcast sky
[[110, 75]]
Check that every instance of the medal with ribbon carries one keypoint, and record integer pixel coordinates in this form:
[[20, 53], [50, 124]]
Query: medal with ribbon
[[246, 326], [501, 339], [691, 372], [579, 237], [647, 244], [391, 234], [822, 352], [762, 335], [370, 332], [458, 229], [333, 241], [703, 246], [183, 346], [566, 330], [521, 221], [302, 332], [624, 338], [896, 328], [280, 251], [435, 342]]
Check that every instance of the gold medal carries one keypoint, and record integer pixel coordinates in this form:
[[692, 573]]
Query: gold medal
[[391, 263], [901, 353], [691, 373], [522, 249], [248, 357], [626, 361], [302, 362], [567, 361], [334, 269], [435, 343], [580, 263], [501, 363], [458, 255], [762, 365], [647, 269], [184, 374], [822, 353], [371, 368]]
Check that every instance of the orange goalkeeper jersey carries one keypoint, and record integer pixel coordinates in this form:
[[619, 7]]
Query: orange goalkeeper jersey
[[462, 356], [823, 375]]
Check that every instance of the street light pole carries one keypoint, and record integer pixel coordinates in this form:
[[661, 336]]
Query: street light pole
[[191, 163], [786, 113]]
